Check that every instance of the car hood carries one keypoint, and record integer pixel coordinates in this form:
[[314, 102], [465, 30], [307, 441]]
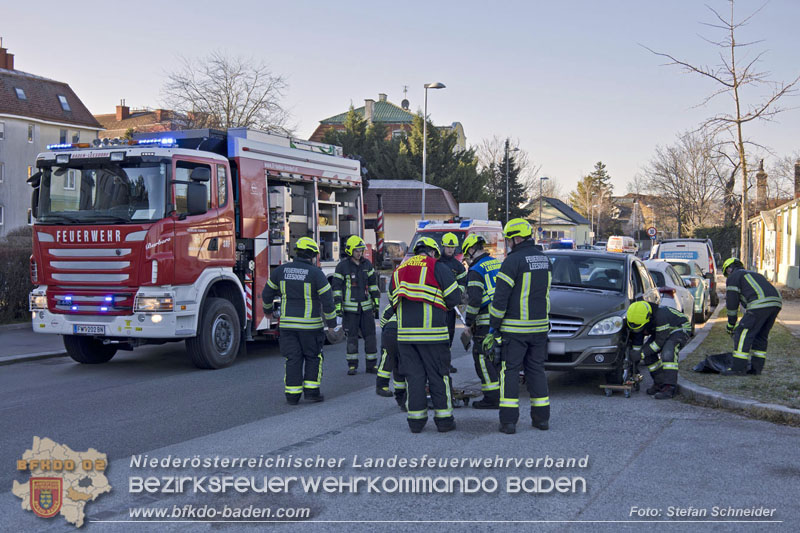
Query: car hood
[[585, 304]]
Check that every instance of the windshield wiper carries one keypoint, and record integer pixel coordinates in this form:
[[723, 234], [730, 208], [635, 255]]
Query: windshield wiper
[[112, 218], [60, 218]]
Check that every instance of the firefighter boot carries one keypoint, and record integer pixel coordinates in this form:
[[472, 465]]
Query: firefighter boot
[[540, 417], [384, 391], [666, 392], [757, 361], [292, 399], [351, 371], [490, 400], [508, 429], [654, 388]]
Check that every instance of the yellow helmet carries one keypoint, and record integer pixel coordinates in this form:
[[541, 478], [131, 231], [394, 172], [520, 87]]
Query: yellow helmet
[[639, 314], [308, 244], [354, 242], [729, 263], [449, 239], [517, 227], [429, 243], [471, 240]]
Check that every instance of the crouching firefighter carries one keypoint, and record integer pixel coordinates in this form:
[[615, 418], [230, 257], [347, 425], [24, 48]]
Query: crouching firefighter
[[387, 363], [519, 322], [668, 331], [306, 302], [762, 303], [356, 294], [483, 269], [421, 291]]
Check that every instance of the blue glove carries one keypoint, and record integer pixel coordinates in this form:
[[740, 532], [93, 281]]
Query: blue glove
[[729, 328]]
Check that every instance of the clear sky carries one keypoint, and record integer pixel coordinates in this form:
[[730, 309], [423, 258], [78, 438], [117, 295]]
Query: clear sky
[[568, 79]]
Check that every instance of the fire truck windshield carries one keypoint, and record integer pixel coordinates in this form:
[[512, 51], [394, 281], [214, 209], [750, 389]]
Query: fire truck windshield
[[103, 193]]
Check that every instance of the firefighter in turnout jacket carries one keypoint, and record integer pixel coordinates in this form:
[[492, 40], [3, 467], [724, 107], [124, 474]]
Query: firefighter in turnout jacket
[[762, 303], [668, 330], [355, 292], [449, 245], [480, 290], [421, 291], [518, 321], [387, 363], [306, 302]]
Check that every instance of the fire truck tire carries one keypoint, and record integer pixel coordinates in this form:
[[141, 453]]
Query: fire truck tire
[[87, 350], [218, 335]]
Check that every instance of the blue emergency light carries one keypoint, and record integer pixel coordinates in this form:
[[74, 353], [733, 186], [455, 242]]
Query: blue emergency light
[[62, 146], [165, 141]]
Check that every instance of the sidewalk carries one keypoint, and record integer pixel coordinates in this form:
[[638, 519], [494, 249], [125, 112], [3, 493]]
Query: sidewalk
[[18, 342], [790, 316]]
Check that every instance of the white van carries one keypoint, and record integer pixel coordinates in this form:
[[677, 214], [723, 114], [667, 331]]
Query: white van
[[617, 243], [700, 251]]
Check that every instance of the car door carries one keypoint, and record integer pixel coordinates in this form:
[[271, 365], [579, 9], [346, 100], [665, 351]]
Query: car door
[[649, 290]]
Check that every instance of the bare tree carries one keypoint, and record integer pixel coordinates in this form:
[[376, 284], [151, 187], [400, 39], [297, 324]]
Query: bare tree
[[733, 74], [222, 91], [780, 181]]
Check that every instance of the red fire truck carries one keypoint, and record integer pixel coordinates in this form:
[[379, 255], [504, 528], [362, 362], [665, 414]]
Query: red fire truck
[[171, 236]]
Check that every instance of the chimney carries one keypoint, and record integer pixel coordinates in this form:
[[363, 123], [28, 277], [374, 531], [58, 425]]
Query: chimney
[[6, 59], [369, 110], [797, 179], [381, 97], [162, 115], [761, 188], [123, 111]]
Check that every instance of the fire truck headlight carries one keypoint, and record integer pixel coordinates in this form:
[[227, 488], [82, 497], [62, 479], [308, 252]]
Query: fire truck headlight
[[153, 304], [37, 301], [117, 156], [156, 319]]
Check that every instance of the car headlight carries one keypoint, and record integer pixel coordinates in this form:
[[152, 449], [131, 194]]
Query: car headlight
[[607, 326], [152, 304], [37, 301]]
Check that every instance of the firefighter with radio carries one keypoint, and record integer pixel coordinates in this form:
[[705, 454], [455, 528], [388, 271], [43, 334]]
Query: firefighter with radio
[[668, 331], [483, 269], [387, 363], [306, 303], [356, 295], [449, 245], [762, 303], [422, 290], [518, 322]]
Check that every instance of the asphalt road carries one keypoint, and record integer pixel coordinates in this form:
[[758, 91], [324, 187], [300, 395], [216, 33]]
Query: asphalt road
[[152, 401]]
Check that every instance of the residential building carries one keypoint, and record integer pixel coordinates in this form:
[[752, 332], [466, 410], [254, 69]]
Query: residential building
[[397, 120], [402, 202], [118, 124], [559, 221], [34, 112]]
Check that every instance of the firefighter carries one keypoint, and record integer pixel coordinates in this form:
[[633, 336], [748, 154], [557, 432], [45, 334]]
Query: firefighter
[[387, 364], [449, 245], [421, 291], [306, 302], [668, 330], [480, 289], [762, 303], [356, 295], [518, 323]]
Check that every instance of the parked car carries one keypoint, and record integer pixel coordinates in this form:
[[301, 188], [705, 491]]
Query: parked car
[[393, 253], [699, 250], [590, 293], [698, 284], [674, 289], [619, 243]]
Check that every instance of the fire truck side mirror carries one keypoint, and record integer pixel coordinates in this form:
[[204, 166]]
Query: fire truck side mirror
[[35, 202], [196, 198]]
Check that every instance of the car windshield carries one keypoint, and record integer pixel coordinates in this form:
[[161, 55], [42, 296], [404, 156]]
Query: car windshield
[[577, 270], [102, 194]]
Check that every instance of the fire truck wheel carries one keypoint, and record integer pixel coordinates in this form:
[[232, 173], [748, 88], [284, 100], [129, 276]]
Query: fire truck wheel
[[218, 335], [88, 350]]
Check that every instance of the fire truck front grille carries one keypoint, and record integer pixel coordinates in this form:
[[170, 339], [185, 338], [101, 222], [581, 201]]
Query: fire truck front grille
[[90, 266]]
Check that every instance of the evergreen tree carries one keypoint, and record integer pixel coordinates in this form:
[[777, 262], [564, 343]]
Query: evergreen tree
[[595, 189]]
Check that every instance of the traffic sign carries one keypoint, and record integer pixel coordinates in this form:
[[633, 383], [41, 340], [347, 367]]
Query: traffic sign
[[651, 231]]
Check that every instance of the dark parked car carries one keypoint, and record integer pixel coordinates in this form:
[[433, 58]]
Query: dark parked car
[[589, 295]]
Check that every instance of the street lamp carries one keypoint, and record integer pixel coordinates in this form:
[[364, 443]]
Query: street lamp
[[435, 85], [541, 180], [507, 158]]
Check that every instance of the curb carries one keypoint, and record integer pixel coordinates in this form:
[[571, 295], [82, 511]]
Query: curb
[[711, 398], [11, 359], [21, 325]]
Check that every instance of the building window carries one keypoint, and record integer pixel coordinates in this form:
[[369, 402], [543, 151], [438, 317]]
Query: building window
[[1, 215], [63, 101], [2, 172], [69, 181], [30, 133], [2, 130], [20, 93], [76, 137], [62, 136], [399, 134]]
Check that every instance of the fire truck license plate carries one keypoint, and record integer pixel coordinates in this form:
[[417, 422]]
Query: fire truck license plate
[[88, 329]]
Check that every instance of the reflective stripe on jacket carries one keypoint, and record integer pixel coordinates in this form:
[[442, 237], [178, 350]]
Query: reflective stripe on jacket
[[355, 286], [305, 295], [480, 288], [664, 322], [751, 290]]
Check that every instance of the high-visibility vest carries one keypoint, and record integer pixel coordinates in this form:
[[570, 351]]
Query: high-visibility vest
[[414, 280]]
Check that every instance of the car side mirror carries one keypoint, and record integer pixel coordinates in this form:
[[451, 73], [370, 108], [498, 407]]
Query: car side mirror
[[196, 202], [687, 283], [708, 275]]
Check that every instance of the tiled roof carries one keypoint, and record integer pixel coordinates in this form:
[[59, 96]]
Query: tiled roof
[[405, 197], [41, 99], [385, 112], [557, 204], [140, 121]]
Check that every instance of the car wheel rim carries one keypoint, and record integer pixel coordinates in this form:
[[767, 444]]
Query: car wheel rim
[[222, 334]]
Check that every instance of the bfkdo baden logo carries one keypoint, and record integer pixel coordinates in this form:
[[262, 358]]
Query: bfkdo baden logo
[[62, 480]]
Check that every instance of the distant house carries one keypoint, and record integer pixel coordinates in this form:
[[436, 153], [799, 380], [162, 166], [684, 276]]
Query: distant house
[[138, 121], [559, 221], [34, 112], [397, 120], [402, 202]]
